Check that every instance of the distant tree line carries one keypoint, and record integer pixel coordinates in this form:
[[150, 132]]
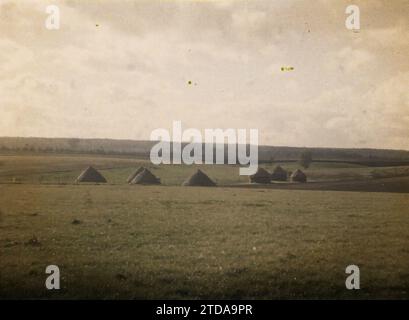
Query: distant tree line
[[141, 149]]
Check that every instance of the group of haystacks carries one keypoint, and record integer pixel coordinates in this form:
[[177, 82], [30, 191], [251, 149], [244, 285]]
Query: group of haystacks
[[144, 176], [278, 174], [199, 178]]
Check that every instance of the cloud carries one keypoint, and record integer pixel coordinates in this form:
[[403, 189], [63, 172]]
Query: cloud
[[121, 70], [353, 59]]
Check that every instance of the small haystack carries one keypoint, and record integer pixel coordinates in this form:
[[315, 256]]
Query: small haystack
[[134, 174], [279, 174], [199, 178], [91, 175], [145, 177], [298, 176], [261, 176]]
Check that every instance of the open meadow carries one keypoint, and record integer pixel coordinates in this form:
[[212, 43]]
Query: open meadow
[[117, 240]]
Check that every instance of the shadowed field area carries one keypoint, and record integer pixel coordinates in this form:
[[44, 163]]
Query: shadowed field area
[[390, 184], [179, 242]]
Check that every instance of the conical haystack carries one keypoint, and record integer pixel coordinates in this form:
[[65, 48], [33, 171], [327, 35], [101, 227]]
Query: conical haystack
[[145, 177], [261, 176], [91, 175], [298, 176], [199, 178], [134, 174], [279, 174]]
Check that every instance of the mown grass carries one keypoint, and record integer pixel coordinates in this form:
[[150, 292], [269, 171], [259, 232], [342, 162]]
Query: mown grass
[[185, 242], [121, 241]]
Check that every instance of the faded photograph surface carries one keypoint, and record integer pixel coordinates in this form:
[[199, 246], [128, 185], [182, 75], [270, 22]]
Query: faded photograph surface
[[214, 149]]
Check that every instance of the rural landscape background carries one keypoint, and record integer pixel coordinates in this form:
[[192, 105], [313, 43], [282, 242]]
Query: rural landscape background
[[236, 240], [85, 83]]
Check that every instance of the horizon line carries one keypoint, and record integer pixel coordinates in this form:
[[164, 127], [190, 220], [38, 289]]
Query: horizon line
[[143, 140]]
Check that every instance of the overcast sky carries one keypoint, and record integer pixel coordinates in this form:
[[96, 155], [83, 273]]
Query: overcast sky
[[119, 69]]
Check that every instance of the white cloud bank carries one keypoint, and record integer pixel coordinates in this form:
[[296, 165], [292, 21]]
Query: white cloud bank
[[121, 69]]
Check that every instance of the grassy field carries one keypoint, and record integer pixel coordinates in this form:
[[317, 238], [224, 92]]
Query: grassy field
[[64, 169], [122, 241]]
